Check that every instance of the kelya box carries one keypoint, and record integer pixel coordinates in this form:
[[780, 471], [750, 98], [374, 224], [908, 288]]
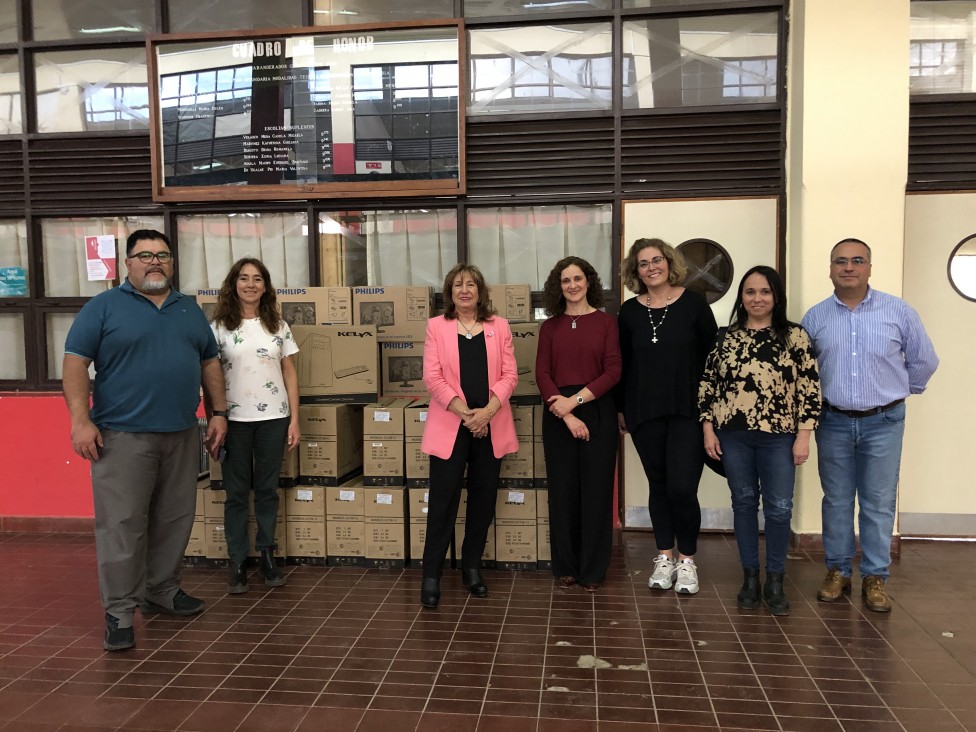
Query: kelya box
[[331, 447], [396, 312], [345, 529], [540, 479], [542, 523], [300, 305], [487, 557], [402, 366], [516, 536], [279, 537], [304, 509], [417, 464], [513, 302], [386, 543], [517, 468], [286, 478], [337, 364], [525, 339], [383, 462]]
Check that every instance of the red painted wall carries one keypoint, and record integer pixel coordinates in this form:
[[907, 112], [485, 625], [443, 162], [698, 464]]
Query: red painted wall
[[40, 475]]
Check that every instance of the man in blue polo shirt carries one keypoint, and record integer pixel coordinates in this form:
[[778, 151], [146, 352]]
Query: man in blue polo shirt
[[152, 349], [873, 353]]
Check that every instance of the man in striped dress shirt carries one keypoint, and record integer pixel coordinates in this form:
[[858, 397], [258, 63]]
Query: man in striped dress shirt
[[873, 353]]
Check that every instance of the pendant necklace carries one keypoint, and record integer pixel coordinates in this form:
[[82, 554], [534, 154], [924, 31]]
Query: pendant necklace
[[575, 319], [650, 317], [467, 331]]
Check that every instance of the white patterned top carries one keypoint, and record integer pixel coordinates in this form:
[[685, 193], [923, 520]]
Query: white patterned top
[[251, 359]]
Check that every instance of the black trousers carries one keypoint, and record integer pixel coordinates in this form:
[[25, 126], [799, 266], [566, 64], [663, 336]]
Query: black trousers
[[446, 481], [580, 476], [670, 449]]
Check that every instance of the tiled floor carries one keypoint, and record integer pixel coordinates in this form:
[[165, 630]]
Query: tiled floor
[[347, 649]]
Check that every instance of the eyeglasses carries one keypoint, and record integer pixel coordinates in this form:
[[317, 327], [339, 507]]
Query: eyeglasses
[[644, 264], [147, 257], [844, 261]]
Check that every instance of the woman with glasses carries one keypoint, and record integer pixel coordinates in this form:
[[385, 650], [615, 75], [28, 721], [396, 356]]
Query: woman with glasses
[[257, 354], [760, 402], [666, 332]]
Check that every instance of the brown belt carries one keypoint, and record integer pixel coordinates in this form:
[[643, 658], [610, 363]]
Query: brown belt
[[866, 413]]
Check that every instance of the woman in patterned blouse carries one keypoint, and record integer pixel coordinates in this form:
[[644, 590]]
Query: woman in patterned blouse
[[759, 400], [257, 354]]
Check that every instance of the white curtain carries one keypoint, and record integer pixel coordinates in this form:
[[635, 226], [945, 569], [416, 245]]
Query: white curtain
[[209, 244], [13, 360], [410, 247]]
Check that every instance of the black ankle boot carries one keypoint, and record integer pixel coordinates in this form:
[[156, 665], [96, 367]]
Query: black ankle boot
[[774, 596], [237, 580], [430, 592], [273, 577], [473, 583], [748, 597]]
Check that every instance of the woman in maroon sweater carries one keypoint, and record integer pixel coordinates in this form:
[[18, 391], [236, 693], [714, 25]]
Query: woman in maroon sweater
[[577, 366]]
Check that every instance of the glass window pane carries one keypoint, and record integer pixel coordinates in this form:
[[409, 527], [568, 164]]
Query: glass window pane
[[214, 15], [540, 69], [101, 89], [8, 22], [347, 12], [702, 60], [500, 8], [942, 47], [13, 360], [63, 245], [209, 244], [522, 244], [13, 259], [56, 19], [10, 96], [405, 247], [56, 326]]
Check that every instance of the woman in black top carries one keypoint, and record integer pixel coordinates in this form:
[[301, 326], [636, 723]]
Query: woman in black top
[[666, 333]]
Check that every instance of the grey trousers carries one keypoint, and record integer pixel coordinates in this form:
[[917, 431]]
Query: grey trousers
[[144, 486]]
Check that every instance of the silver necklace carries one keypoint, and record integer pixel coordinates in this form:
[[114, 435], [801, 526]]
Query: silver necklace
[[575, 319], [650, 317], [467, 331]]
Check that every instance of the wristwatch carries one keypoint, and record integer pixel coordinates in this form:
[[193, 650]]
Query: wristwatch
[[579, 398], [219, 413]]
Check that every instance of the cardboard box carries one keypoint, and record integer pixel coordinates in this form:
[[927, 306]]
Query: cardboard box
[[199, 512], [289, 469], [214, 540], [516, 544], [416, 462], [540, 477], [544, 549], [383, 445], [396, 312], [197, 545], [279, 537], [330, 421], [542, 505], [386, 503], [513, 302], [345, 540], [516, 505], [417, 499], [346, 501], [304, 503], [305, 537], [518, 468], [216, 475], [488, 557], [525, 338], [402, 366], [213, 507], [299, 305], [337, 364], [386, 542]]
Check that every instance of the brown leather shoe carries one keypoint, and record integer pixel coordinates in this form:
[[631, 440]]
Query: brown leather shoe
[[591, 586], [834, 585], [875, 594], [566, 582]]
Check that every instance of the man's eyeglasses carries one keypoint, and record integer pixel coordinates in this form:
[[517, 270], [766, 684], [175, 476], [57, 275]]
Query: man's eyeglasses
[[844, 261], [644, 264], [147, 257]]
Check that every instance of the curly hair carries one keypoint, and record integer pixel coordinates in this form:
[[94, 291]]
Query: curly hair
[[552, 291], [485, 309], [228, 311], [677, 269]]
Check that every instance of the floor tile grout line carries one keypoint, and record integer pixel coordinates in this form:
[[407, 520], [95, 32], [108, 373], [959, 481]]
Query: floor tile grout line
[[501, 629]]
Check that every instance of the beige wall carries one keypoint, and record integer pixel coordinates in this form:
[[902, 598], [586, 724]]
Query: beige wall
[[847, 157]]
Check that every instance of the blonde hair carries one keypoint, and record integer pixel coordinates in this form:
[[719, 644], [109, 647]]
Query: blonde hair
[[677, 269]]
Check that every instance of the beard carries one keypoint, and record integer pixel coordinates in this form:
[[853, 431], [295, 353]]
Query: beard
[[154, 286]]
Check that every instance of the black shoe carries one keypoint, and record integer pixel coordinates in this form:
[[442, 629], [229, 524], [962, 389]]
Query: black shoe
[[430, 592], [116, 638], [471, 579], [774, 596], [237, 581], [748, 597], [183, 605], [273, 576]]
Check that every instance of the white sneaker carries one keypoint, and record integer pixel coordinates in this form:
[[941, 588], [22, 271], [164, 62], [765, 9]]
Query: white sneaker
[[687, 582], [664, 572]]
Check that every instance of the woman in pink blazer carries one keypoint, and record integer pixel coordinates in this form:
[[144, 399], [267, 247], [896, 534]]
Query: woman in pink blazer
[[469, 370]]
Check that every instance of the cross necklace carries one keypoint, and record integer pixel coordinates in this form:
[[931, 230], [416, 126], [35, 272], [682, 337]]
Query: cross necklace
[[650, 316]]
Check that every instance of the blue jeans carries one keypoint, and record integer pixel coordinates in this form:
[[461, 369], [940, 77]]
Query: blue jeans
[[860, 457], [760, 464]]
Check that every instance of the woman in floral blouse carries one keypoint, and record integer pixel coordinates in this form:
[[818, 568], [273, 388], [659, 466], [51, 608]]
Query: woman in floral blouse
[[256, 352], [759, 400]]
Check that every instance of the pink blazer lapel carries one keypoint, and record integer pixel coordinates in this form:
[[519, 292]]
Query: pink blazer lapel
[[450, 345], [491, 346]]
